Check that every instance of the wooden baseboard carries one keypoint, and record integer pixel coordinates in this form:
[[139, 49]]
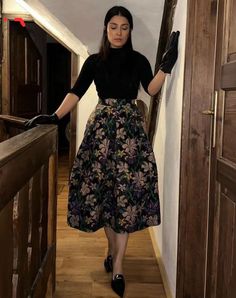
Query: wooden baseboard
[[161, 264]]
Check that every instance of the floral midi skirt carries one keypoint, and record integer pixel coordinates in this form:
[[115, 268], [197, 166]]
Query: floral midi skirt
[[114, 180]]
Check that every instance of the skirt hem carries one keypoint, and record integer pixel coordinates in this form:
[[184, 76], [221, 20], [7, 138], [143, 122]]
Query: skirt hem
[[115, 230]]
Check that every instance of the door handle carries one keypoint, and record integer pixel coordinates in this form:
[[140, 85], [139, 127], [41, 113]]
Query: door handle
[[208, 112], [213, 112]]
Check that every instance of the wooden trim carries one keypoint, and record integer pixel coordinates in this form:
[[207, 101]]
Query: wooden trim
[[160, 264], [6, 69], [195, 148], [11, 16], [166, 27]]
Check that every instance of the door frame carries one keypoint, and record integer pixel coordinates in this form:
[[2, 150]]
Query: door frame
[[5, 107], [196, 148]]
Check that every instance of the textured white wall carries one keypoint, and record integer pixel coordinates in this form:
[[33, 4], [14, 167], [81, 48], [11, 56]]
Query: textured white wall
[[84, 108], [167, 151]]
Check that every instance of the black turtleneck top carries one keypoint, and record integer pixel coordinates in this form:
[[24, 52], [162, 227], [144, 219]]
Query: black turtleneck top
[[117, 77]]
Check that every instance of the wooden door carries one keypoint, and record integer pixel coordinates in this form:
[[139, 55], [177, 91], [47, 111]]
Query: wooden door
[[25, 73], [221, 270], [196, 148]]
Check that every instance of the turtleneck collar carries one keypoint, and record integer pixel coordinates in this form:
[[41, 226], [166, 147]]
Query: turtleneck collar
[[117, 50]]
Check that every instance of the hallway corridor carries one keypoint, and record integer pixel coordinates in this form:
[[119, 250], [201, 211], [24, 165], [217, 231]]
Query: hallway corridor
[[80, 271]]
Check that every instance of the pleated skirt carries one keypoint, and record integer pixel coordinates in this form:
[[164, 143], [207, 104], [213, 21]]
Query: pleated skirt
[[114, 178]]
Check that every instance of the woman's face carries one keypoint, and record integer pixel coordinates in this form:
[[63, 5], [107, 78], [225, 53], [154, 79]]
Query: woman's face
[[118, 31]]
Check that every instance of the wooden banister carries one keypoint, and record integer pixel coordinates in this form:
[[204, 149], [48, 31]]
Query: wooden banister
[[28, 176]]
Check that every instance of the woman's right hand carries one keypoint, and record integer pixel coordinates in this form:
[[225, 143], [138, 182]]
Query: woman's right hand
[[42, 119]]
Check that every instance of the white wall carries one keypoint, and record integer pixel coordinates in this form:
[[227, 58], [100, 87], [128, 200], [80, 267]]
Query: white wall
[[84, 108], [167, 143]]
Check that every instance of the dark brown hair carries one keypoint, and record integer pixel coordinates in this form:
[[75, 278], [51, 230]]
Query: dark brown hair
[[105, 44]]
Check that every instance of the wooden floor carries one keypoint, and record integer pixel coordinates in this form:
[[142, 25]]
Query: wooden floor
[[80, 255]]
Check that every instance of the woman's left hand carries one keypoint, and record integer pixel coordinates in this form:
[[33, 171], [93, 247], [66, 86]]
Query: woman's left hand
[[171, 54]]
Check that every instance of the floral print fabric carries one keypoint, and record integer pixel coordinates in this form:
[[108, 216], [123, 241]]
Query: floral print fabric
[[114, 179]]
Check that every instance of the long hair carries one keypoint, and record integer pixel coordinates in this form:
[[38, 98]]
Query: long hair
[[105, 44]]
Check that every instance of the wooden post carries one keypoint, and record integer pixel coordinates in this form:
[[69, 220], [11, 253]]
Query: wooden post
[[52, 216]]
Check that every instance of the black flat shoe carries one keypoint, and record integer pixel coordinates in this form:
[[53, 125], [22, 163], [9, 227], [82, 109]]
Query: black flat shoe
[[118, 284], [108, 264]]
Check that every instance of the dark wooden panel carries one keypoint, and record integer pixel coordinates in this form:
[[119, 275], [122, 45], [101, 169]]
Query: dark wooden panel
[[17, 59], [29, 91], [226, 248], [44, 211], [33, 63], [232, 57], [21, 222], [25, 69], [229, 129], [34, 208], [6, 256], [226, 173], [228, 76], [3, 131]]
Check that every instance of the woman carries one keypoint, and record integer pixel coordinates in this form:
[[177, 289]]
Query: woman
[[113, 182]]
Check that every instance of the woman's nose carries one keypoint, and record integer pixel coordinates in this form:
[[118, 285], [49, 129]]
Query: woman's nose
[[119, 32]]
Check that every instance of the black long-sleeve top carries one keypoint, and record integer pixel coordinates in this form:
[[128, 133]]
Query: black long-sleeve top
[[117, 77]]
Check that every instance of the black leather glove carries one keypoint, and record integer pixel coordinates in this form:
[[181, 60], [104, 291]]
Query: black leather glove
[[42, 119], [171, 53]]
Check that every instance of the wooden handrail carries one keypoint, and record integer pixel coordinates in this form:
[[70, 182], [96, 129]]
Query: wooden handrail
[[13, 120], [10, 126], [29, 151], [28, 172]]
